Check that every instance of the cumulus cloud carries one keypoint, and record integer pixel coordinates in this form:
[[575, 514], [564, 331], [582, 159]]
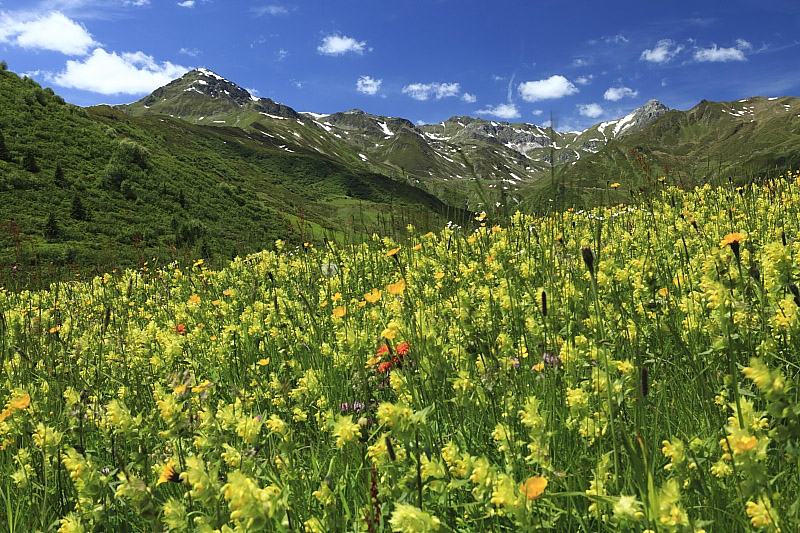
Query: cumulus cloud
[[549, 88], [336, 45], [424, 91], [469, 98], [537, 112], [584, 80], [187, 3], [721, 55], [368, 85], [51, 31], [590, 110], [506, 111], [112, 73], [665, 50], [618, 93]]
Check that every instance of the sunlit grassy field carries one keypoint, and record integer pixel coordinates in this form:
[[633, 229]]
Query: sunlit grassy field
[[627, 369]]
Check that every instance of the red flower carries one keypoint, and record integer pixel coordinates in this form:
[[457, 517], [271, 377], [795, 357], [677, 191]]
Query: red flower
[[383, 349], [403, 348], [385, 366], [180, 329]]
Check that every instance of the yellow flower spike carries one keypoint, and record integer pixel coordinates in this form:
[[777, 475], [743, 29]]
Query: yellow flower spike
[[533, 487], [746, 444], [391, 331]]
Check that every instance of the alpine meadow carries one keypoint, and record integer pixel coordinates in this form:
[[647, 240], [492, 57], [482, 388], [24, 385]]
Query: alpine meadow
[[219, 314]]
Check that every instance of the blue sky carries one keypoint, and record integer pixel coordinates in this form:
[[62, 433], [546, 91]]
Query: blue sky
[[424, 60]]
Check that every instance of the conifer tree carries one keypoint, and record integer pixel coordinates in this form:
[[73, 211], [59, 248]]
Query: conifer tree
[[78, 211], [29, 162], [51, 228], [58, 176]]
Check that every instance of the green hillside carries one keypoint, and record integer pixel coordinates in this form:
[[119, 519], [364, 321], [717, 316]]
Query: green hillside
[[713, 142], [98, 186]]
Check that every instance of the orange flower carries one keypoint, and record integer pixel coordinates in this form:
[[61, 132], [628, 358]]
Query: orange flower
[[397, 288], [180, 329], [731, 238], [372, 296], [402, 349], [533, 487], [385, 366], [21, 402]]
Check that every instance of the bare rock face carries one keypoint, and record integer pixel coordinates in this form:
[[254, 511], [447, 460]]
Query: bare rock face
[[646, 114]]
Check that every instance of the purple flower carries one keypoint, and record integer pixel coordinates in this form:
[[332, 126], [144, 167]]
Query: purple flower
[[550, 359]]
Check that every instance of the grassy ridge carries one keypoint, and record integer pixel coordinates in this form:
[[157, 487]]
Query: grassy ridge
[[625, 369]]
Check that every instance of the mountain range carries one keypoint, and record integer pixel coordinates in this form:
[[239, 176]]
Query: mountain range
[[467, 161], [203, 165]]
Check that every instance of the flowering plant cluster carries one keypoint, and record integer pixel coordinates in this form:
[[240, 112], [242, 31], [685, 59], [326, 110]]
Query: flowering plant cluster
[[632, 368]]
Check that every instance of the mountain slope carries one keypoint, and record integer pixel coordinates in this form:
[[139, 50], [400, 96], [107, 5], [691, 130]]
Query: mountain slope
[[136, 187]]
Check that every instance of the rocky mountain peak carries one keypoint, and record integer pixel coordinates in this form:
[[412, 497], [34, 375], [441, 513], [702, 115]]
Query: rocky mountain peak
[[645, 115]]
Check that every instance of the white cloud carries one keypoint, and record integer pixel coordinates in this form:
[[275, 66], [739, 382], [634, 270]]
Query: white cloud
[[421, 123], [537, 112], [469, 98], [187, 3], [112, 73], [254, 92], [590, 110], [616, 39], [368, 85], [584, 80], [506, 111], [273, 10], [664, 51], [580, 62], [137, 3], [552, 87], [423, 91], [336, 45], [721, 55], [192, 52], [52, 31], [282, 54], [618, 93]]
